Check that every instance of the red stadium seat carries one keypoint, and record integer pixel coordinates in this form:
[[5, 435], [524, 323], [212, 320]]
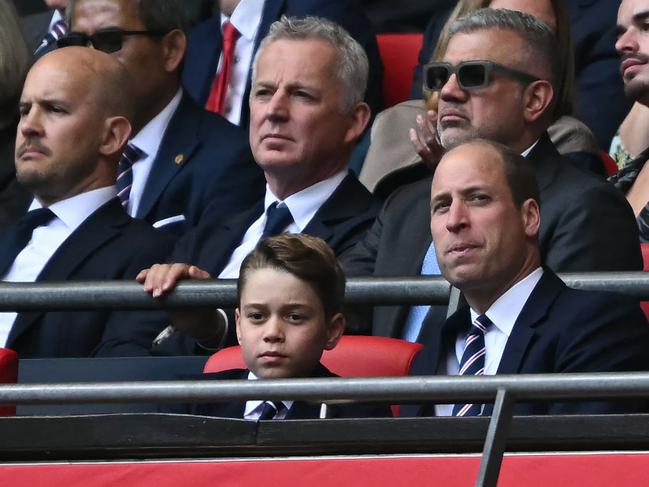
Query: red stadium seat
[[609, 163], [355, 356], [399, 53], [8, 375], [645, 259]]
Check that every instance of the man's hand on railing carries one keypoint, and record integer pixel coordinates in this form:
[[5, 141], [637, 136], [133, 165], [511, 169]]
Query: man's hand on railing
[[205, 325]]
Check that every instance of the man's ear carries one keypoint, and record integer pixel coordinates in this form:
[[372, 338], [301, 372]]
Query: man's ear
[[531, 215], [537, 100], [237, 320], [117, 130], [174, 45], [359, 116], [335, 330]]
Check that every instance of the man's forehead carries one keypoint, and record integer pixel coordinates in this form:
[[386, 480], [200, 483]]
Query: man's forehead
[[483, 44], [633, 11], [91, 15]]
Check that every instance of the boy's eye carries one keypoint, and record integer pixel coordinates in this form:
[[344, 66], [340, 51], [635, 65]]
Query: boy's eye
[[255, 316]]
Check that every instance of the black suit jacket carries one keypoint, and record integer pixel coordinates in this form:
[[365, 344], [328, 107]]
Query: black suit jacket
[[559, 330], [299, 409], [202, 159], [107, 245], [600, 100], [204, 45], [341, 221], [586, 225]]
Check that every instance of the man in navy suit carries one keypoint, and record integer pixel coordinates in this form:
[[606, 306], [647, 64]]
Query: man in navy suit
[[188, 157], [520, 318], [307, 111], [252, 19], [74, 121]]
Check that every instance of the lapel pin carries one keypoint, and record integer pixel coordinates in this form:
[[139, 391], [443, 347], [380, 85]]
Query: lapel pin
[[179, 159]]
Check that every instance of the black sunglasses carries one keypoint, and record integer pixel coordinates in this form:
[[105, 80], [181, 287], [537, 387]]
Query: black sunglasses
[[471, 75], [109, 40]]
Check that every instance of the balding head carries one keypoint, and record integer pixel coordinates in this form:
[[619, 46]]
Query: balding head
[[74, 120]]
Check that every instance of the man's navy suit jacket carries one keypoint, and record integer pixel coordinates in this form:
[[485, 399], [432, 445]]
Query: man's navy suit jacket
[[559, 330], [341, 221], [299, 409], [204, 45], [586, 225], [202, 159], [109, 244]]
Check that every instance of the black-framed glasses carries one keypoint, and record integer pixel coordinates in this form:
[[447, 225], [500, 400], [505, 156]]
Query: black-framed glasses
[[471, 75], [108, 40]]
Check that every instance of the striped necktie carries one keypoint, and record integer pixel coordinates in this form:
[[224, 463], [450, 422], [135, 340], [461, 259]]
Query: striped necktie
[[130, 156], [271, 409], [473, 361], [58, 30]]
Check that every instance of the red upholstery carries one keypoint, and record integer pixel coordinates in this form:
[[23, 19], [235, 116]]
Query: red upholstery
[[354, 356], [645, 259], [399, 53], [8, 375], [609, 163]]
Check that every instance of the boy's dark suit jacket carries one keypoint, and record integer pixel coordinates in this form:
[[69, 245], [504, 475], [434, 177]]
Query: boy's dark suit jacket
[[299, 409], [109, 244], [559, 330]]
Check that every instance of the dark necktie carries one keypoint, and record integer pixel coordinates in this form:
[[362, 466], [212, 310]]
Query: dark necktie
[[13, 246], [130, 156], [473, 361], [278, 217], [216, 100], [271, 409], [59, 29]]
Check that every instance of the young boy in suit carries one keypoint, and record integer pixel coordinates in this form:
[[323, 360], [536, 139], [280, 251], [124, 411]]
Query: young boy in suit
[[290, 290]]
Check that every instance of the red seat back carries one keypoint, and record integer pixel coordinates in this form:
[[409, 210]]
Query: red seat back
[[8, 375], [354, 356], [399, 53]]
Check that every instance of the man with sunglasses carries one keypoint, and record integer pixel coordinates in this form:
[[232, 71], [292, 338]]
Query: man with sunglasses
[[181, 157], [497, 81]]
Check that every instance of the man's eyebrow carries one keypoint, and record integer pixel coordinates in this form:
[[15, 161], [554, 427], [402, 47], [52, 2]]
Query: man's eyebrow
[[640, 15]]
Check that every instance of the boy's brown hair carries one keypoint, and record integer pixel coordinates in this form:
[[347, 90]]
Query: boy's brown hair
[[308, 258]]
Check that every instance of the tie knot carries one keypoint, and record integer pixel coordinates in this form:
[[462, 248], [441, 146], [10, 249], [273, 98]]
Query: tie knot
[[131, 154], [230, 34], [480, 325], [271, 409], [278, 217], [36, 218]]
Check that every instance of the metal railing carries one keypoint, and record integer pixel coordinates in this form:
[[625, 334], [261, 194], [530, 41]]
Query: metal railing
[[377, 291], [503, 390]]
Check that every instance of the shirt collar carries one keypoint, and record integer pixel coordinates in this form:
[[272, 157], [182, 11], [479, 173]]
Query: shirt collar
[[149, 138], [73, 211], [527, 151], [246, 18], [304, 204], [504, 312]]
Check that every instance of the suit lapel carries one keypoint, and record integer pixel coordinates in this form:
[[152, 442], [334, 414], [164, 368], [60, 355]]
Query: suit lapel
[[99, 228], [545, 159], [533, 313], [227, 239], [179, 142]]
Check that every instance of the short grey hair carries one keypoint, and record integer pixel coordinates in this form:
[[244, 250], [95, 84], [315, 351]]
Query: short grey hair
[[542, 45], [353, 65], [15, 59]]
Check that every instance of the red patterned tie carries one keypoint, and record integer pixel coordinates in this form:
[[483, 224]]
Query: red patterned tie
[[216, 100]]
